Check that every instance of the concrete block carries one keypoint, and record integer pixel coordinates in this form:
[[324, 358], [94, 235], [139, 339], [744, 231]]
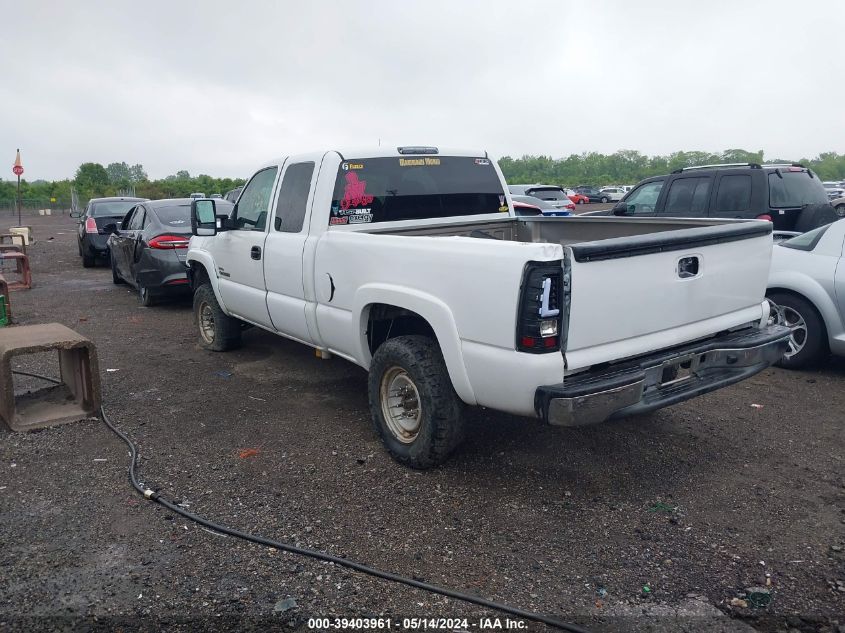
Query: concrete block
[[13, 238], [77, 398], [21, 267], [25, 232]]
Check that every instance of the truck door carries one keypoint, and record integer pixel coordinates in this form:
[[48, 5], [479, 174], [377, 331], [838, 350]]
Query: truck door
[[283, 263], [239, 252]]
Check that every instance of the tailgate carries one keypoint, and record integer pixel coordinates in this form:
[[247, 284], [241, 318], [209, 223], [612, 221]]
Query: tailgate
[[635, 295]]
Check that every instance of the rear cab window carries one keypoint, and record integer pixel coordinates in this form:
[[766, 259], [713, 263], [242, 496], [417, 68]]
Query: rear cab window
[[413, 187], [795, 187]]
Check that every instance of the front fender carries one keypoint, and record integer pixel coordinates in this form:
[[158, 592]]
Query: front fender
[[202, 258], [433, 310]]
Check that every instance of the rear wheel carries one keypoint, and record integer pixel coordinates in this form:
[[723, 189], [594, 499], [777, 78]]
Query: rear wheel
[[581, 200], [217, 331], [808, 340], [146, 296], [605, 200], [414, 407]]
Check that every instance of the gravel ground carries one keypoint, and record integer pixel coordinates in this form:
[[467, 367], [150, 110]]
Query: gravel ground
[[649, 524]]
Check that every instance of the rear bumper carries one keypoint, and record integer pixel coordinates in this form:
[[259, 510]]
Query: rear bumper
[[95, 244], [647, 383]]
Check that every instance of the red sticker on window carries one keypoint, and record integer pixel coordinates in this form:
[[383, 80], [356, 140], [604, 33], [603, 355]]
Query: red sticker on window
[[354, 194]]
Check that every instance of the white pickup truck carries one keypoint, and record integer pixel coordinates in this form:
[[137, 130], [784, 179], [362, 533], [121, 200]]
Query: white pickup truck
[[412, 264]]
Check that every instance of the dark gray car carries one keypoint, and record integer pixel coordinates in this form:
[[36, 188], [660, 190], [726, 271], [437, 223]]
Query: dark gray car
[[149, 245], [91, 234]]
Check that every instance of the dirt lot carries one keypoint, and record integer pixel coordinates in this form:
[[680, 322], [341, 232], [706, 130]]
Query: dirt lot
[[654, 523]]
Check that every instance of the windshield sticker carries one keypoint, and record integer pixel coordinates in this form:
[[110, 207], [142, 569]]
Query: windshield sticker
[[343, 220], [503, 208], [501, 200], [354, 194], [348, 166], [482, 161], [418, 162], [360, 218]]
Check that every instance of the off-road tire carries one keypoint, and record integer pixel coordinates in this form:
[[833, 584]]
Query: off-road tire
[[226, 330], [441, 427], [815, 347], [116, 279]]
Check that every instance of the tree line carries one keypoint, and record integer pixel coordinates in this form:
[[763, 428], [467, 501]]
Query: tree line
[[93, 180], [627, 167]]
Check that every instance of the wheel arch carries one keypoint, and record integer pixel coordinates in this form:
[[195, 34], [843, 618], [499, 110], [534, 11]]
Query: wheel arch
[[818, 300], [422, 312], [200, 269]]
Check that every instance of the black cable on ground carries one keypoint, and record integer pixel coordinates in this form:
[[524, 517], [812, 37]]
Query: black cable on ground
[[323, 556]]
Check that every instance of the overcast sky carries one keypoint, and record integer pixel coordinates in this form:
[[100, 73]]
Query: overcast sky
[[220, 87]]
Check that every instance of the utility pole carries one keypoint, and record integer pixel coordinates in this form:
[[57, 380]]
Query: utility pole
[[17, 169]]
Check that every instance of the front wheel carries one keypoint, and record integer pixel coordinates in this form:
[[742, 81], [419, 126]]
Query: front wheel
[[581, 201], [217, 331], [414, 407], [808, 339], [605, 200]]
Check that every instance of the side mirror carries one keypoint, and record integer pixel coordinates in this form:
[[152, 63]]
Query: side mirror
[[111, 228], [203, 217], [621, 208], [75, 214]]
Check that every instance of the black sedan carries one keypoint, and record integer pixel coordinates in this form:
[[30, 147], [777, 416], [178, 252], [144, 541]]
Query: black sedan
[[149, 245], [91, 234]]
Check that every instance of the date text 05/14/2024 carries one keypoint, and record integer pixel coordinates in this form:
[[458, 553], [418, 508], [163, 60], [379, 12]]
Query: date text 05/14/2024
[[455, 625]]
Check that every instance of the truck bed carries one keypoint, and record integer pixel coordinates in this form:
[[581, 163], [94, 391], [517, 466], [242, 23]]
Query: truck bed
[[565, 231]]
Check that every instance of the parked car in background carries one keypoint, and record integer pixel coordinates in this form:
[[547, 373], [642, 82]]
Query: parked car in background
[[611, 194], [216, 196], [92, 239], [839, 206], [544, 207], [232, 195], [593, 194], [807, 293], [577, 198], [789, 196], [552, 194], [195, 196], [834, 190], [148, 247]]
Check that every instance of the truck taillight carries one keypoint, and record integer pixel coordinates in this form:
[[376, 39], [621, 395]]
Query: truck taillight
[[168, 242], [540, 309], [765, 216], [90, 225]]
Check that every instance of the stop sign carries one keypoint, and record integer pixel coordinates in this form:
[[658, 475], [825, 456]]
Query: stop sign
[[17, 170]]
